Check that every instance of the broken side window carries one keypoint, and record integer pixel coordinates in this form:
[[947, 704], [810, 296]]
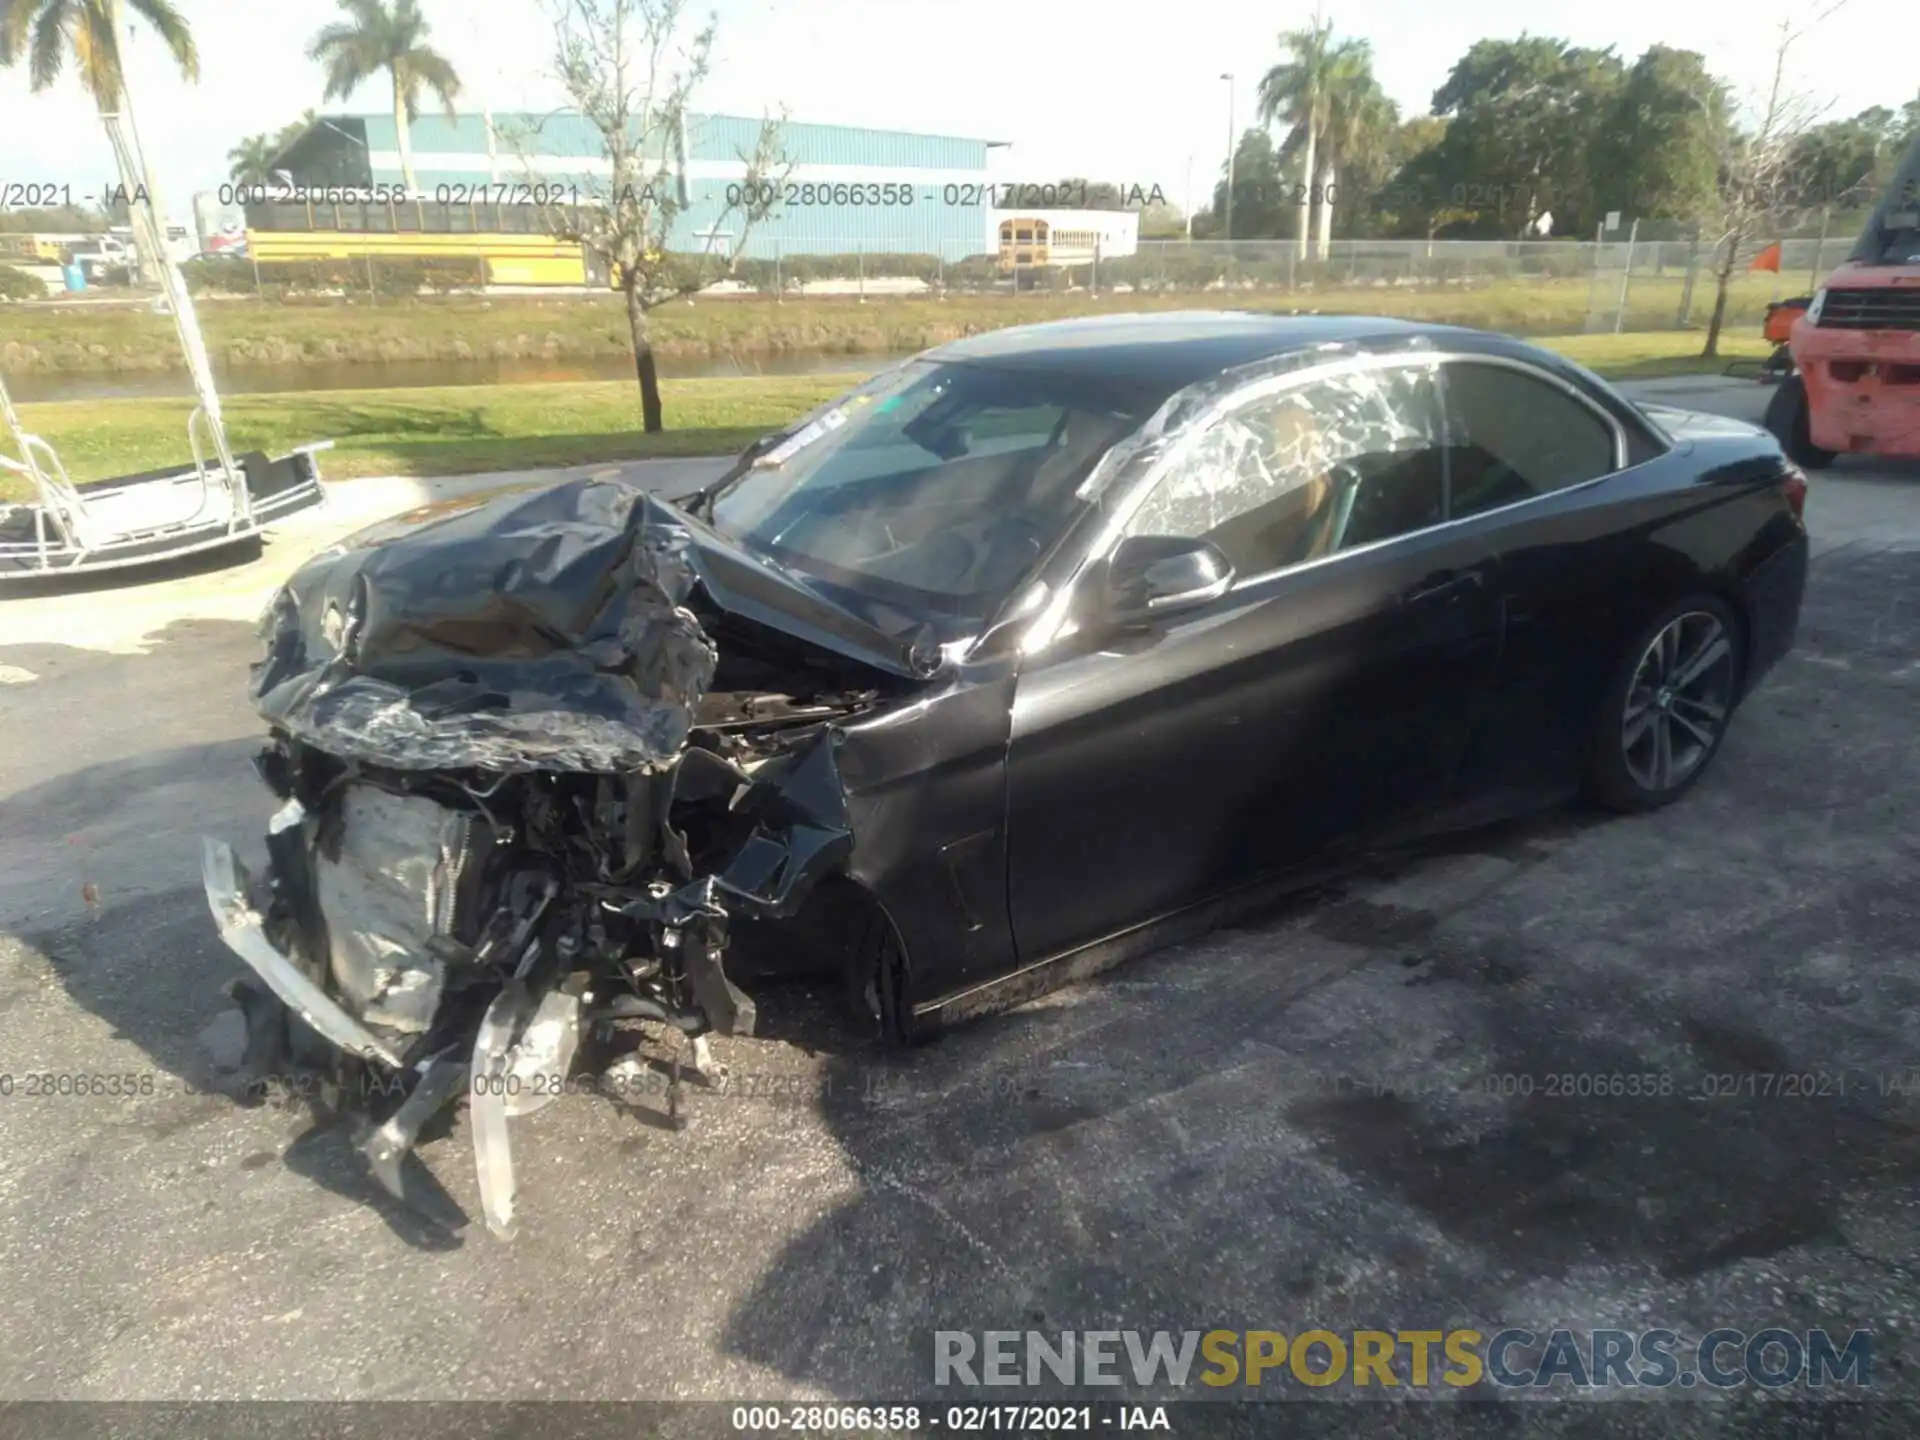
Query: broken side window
[[1348, 459]]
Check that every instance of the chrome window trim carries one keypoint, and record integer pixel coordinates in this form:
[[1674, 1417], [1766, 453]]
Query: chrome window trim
[[1049, 626]]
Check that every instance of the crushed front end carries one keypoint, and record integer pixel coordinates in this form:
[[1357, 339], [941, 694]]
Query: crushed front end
[[513, 812]]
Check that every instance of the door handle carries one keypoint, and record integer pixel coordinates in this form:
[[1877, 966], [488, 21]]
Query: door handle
[[1443, 583]]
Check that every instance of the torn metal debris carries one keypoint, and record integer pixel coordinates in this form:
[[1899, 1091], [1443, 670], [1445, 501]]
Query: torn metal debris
[[515, 810]]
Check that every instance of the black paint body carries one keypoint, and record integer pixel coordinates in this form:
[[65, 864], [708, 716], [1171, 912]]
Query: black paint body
[[1025, 817], [1036, 797]]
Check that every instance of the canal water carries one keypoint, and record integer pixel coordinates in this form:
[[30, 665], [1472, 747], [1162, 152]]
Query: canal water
[[412, 374]]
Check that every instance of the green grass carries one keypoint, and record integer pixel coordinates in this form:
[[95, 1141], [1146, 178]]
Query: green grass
[[1652, 356], [64, 338], [457, 430], [474, 428]]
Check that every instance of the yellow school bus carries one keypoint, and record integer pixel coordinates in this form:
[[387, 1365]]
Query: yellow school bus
[[507, 240], [37, 249], [1027, 240]]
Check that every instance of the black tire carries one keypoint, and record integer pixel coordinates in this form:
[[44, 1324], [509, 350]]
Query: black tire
[[878, 981], [1787, 418], [1701, 645]]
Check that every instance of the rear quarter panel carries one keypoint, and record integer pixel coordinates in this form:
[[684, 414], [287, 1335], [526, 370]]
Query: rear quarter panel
[[1584, 571]]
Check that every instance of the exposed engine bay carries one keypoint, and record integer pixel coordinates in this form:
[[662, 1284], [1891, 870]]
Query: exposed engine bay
[[524, 796]]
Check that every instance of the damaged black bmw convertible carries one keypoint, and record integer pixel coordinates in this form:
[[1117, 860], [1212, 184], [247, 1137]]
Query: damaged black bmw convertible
[[1037, 650]]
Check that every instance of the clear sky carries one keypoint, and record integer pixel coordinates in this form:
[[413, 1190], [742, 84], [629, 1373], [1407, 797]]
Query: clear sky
[[1115, 91]]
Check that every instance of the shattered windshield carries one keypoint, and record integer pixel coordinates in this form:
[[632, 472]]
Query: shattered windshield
[[936, 485]]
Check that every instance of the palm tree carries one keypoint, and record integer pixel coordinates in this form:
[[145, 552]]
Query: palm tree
[[294, 129], [391, 37], [1361, 121], [1295, 92], [250, 162], [43, 32]]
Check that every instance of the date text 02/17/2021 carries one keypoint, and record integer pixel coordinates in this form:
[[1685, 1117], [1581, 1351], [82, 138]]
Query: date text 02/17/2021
[[814, 1419]]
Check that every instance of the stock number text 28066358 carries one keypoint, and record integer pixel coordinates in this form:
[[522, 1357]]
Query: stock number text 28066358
[[280, 192]]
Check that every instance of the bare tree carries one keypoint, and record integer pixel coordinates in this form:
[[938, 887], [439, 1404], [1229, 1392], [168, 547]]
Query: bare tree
[[1754, 192], [626, 75]]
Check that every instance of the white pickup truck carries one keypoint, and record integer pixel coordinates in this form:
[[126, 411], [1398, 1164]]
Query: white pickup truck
[[103, 255], [111, 252]]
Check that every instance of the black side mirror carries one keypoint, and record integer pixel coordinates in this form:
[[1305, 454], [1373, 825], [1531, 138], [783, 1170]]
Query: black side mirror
[[1150, 576]]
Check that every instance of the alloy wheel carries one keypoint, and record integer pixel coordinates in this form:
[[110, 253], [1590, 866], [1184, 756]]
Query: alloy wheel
[[1678, 701]]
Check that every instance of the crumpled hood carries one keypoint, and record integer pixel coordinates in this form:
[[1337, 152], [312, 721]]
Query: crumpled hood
[[535, 631]]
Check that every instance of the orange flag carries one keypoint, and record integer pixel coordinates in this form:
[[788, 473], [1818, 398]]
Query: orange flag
[[1768, 259]]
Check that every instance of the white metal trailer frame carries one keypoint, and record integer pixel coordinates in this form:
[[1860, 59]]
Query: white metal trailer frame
[[142, 519]]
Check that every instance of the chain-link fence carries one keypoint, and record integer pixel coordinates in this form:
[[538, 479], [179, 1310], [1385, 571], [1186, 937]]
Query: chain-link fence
[[1529, 286]]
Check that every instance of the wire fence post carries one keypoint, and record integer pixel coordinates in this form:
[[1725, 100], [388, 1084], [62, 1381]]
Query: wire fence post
[[1626, 277], [860, 265], [258, 293], [1686, 286], [1593, 273], [1093, 281], [373, 291], [779, 280]]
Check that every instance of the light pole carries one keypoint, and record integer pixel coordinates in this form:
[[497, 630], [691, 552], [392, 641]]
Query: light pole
[[1228, 77]]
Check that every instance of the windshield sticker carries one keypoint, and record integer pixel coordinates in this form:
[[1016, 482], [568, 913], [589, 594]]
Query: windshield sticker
[[790, 447]]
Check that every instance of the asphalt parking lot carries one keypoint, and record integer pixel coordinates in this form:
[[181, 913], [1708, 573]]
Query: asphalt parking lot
[[1338, 1116]]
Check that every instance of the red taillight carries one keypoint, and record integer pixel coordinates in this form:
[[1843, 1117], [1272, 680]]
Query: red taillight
[[1794, 486]]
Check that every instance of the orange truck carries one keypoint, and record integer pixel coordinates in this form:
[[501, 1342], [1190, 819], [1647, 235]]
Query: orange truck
[[1855, 386]]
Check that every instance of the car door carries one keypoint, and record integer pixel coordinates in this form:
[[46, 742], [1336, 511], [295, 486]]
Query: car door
[[1529, 459], [1328, 693]]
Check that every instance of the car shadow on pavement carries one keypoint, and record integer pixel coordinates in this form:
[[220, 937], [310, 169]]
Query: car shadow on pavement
[[141, 952], [1403, 1101], [1261, 1131], [1647, 1071]]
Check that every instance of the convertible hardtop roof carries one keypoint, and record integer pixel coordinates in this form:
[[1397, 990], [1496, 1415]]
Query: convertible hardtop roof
[[1166, 352]]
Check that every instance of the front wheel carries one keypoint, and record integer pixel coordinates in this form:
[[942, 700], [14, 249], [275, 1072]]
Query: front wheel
[[1786, 418], [1667, 709]]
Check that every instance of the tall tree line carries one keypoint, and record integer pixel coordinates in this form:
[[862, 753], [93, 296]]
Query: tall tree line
[[1526, 136]]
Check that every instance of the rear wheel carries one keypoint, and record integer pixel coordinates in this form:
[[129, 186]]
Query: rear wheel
[[1668, 707], [1787, 419]]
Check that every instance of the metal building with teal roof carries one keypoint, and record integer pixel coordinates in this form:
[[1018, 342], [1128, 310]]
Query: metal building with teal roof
[[843, 188]]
